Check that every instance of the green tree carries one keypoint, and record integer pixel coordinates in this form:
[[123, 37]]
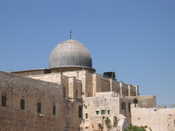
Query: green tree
[[135, 128]]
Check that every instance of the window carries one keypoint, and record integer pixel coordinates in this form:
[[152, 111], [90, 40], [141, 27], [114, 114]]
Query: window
[[54, 110], [22, 104], [38, 107], [103, 112], [123, 106], [129, 107], [97, 112], [80, 111], [86, 115], [4, 100], [108, 111]]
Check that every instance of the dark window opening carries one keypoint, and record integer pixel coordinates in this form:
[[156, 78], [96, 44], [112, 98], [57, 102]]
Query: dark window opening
[[86, 115], [123, 106], [39, 107], [46, 71], [97, 112], [4, 100], [22, 104], [54, 110], [103, 112], [129, 107], [80, 111], [108, 111]]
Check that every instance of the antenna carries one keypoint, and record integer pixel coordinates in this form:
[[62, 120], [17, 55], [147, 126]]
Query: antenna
[[70, 35]]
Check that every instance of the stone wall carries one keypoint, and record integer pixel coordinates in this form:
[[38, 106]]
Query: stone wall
[[158, 119], [98, 109], [13, 117], [102, 84], [72, 86], [144, 101]]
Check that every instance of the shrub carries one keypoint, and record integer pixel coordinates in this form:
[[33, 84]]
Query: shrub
[[108, 123], [135, 128]]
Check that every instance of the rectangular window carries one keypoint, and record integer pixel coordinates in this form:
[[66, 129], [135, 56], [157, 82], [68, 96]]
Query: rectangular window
[[97, 112], [54, 110], [129, 107], [80, 111], [22, 104], [38, 107], [108, 111], [86, 115], [123, 105], [4, 100], [103, 112]]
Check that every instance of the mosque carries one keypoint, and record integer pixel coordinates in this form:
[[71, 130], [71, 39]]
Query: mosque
[[70, 96]]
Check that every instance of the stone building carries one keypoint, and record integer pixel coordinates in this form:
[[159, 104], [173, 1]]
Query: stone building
[[69, 96]]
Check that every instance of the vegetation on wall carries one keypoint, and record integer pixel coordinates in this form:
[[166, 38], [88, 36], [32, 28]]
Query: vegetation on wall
[[135, 128], [108, 123], [115, 121]]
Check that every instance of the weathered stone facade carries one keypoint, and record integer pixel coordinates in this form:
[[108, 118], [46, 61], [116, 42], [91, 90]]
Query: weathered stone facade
[[89, 87], [155, 119], [73, 97], [14, 89]]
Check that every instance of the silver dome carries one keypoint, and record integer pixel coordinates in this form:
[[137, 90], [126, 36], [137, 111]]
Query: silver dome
[[70, 53]]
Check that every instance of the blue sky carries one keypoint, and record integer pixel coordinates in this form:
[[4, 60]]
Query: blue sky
[[134, 38]]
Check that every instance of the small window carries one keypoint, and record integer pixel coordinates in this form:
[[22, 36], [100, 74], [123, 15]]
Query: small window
[[86, 115], [4, 100], [22, 104], [80, 111], [97, 112], [103, 112], [38, 107], [129, 107], [54, 110], [108, 111], [123, 106]]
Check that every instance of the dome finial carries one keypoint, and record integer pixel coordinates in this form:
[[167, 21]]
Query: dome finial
[[70, 34]]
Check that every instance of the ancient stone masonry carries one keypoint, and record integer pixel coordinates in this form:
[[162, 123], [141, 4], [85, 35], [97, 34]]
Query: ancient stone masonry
[[71, 96], [15, 89]]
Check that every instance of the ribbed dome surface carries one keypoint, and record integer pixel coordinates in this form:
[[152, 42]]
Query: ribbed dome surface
[[70, 53]]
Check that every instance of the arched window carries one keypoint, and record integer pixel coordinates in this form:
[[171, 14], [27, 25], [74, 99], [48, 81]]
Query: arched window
[[39, 107], [54, 110], [22, 104]]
